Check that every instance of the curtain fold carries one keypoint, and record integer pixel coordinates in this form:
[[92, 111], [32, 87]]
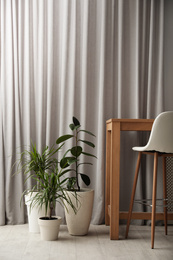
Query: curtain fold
[[93, 59]]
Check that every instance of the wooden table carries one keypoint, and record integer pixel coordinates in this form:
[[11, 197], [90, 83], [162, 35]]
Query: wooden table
[[113, 129], [112, 213]]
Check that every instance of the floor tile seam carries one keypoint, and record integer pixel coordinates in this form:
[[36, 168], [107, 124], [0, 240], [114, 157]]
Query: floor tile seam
[[100, 244], [24, 251]]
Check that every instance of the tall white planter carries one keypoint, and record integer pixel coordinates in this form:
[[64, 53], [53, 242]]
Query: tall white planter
[[49, 229], [33, 213], [78, 224]]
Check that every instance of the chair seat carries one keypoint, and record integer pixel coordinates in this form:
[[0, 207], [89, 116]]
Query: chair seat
[[161, 136]]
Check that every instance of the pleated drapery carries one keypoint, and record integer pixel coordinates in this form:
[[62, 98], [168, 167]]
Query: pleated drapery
[[93, 59]]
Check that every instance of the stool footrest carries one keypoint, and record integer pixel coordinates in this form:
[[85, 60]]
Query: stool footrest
[[145, 202]]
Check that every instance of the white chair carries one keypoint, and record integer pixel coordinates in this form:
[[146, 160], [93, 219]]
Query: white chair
[[160, 144]]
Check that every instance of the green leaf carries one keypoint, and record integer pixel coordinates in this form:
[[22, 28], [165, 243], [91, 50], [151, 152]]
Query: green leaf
[[72, 126], [87, 132], [44, 150], [71, 160], [76, 121], [76, 151], [85, 163], [64, 162], [88, 154], [63, 138], [85, 179], [67, 161], [64, 172], [88, 143]]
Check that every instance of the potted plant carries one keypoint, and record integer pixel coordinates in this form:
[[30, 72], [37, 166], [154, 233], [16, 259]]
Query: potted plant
[[52, 190], [78, 224], [33, 165]]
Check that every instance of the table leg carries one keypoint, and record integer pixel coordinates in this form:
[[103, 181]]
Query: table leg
[[115, 181], [107, 195]]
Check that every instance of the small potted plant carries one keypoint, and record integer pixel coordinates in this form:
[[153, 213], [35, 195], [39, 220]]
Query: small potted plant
[[52, 190], [33, 165], [78, 224]]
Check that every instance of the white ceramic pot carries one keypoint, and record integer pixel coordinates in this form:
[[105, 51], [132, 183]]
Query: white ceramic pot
[[78, 224], [33, 213], [49, 229]]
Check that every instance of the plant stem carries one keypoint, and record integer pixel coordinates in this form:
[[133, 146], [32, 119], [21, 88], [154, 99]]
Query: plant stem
[[77, 181]]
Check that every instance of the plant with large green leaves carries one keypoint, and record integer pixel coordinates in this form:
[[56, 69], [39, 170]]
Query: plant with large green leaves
[[76, 152]]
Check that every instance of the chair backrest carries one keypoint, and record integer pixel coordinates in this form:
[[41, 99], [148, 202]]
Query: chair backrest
[[161, 137]]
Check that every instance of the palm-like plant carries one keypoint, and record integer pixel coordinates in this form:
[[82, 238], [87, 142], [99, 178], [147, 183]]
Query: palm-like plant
[[52, 190], [34, 164], [42, 168], [75, 152]]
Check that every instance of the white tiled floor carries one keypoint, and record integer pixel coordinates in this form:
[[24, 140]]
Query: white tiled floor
[[16, 243]]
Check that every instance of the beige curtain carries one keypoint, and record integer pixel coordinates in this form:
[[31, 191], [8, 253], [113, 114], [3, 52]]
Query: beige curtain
[[94, 59]]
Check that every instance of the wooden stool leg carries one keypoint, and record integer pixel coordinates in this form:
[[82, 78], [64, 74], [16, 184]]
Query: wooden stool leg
[[133, 194], [165, 194], [154, 199]]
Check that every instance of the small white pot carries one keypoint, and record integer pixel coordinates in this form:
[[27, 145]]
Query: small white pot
[[33, 213], [49, 229], [78, 224]]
